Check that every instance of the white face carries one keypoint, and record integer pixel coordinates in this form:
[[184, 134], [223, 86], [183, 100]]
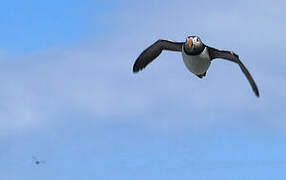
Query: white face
[[193, 45], [196, 40], [193, 42]]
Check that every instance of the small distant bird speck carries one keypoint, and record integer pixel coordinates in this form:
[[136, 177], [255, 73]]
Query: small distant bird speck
[[36, 161], [196, 55]]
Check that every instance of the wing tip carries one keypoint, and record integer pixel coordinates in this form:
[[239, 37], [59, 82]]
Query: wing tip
[[136, 69], [257, 94], [256, 91], [138, 66]]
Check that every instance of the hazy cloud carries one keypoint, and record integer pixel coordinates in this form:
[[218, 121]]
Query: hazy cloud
[[95, 78]]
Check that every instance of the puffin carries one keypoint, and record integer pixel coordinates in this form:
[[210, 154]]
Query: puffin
[[196, 55]]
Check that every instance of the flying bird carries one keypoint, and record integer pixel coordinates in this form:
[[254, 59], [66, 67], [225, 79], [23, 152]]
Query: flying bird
[[37, 162], [196, 55]]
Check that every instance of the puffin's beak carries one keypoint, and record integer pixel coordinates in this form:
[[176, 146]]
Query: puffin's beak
[[190, 42]]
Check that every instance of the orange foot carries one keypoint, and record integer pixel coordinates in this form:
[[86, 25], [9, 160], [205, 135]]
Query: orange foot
[[202, 75]]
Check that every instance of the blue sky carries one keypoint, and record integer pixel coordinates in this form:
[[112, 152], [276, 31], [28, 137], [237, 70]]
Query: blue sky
[[69, 97]]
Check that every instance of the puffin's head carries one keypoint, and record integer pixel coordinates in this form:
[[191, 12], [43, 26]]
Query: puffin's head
[[194, 45]]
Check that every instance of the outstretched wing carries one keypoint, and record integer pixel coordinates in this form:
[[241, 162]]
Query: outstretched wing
[[228, 55], [149, 54]]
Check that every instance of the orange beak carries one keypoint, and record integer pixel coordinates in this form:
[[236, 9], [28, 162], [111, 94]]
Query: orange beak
[[190, 42]]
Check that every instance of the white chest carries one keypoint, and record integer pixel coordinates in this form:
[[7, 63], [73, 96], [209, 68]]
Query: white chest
[[197, 64]]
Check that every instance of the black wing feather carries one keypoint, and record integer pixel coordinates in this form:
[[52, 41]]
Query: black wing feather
[[153, 51], [228, 55]]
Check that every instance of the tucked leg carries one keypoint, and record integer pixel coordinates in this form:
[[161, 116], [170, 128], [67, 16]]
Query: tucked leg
[[202, 75]]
